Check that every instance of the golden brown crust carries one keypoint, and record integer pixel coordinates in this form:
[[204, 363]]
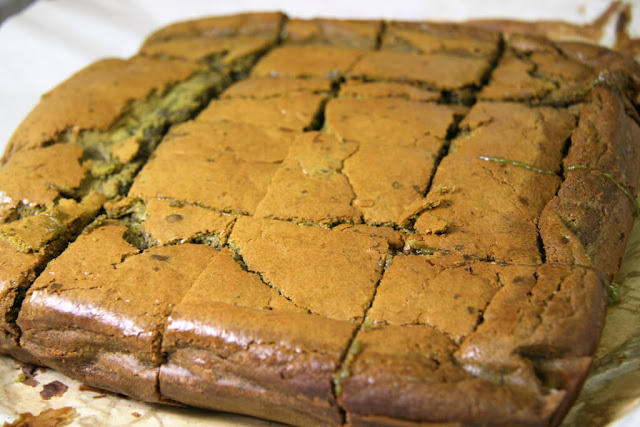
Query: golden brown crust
[[587, 230], [328, 273], [346, 33], [377, 224], [18, 272], [592, 230], [408, 132], [520, 367], [486, 210], [359, 89], [169, 222], [94, 98], [221, 331], [434, 70], [308, 187], [491, 128], [205, 50], [295, 113], [265, 87], [429, 37], [195, 158], [36, 178], [110, 297], [307, 61], [554, 30], [606, 128], [420, 380], [536, 70], [248, 24]]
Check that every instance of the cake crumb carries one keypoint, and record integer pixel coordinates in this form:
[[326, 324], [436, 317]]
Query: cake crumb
[[53, 389], [51, 417], [100, 393], [28, 374], [85, 387]]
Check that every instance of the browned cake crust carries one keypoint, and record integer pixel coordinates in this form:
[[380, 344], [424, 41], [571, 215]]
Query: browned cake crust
[[555, 29], [325, 222], [94, 98]]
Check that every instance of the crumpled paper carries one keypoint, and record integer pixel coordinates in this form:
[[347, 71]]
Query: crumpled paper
[[612, 389]]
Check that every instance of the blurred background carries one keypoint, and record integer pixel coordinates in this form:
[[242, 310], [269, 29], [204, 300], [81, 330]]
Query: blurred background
[[9, 7]]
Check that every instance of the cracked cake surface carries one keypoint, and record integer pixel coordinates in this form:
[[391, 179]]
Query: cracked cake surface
[[325, 222]]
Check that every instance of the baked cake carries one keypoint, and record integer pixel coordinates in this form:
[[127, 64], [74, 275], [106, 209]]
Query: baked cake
[[323, 222]]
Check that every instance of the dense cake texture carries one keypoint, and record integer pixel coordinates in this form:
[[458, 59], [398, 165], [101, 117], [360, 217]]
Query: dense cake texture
[[325, 222]]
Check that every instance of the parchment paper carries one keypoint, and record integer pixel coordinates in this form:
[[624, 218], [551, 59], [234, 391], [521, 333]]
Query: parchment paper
[[50, 40]]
